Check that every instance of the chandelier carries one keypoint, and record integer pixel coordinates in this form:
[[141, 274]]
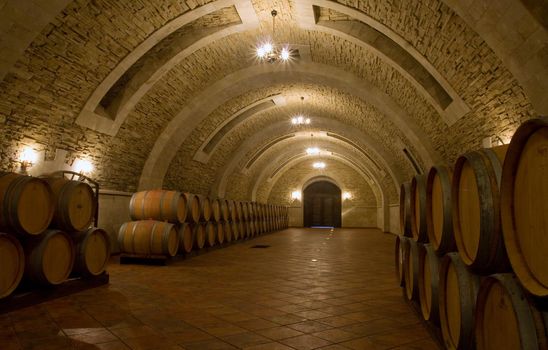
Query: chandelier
[[268, 51], [300, 119]]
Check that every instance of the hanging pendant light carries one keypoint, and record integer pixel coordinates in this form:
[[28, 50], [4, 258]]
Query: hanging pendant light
[[269, 51]]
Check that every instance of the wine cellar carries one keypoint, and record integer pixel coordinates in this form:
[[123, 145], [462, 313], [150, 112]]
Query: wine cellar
[[247, 174]]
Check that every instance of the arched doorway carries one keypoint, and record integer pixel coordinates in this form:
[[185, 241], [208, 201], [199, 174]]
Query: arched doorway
[[322, 204]]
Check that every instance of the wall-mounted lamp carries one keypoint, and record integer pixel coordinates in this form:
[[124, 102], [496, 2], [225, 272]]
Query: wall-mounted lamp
[[346, 195], [28, 157], [296, 195], [83, 166]]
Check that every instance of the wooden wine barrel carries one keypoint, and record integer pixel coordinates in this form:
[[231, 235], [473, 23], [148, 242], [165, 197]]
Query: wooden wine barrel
[[211, 234], [506, 318], [49, 257], [418, 209], [429, 283], [260, 211], [225, 213], [245, 211], [199, 235], [185, 238], [232, 210], [458, 289], [476, 210], [405, 209], [235, 230], [92, 252], [12, 264], [158, 205], [252, 210], [251, 228], [220, 230], [411, 264], [75, 204], [26, 204], [398, 253], [205, 207], [215, 210], [192, 207], [148, 237], [524, 204], [228, 231], [439, 210]]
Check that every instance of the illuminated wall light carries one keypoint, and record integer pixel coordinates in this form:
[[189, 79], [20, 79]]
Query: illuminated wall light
[[312, 151], [28, 157], [296, 195], [83, 166], [346, 195], [319, 165]]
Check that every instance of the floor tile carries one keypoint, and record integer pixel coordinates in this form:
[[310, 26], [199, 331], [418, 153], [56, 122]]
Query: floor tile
[[237, 297]]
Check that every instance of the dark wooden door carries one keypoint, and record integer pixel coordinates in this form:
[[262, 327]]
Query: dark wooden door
[[322, 205]]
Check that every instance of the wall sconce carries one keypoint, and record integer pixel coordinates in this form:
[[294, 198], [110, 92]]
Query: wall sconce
[[83, 166], [346, 195], [28, 157], [296, 195]]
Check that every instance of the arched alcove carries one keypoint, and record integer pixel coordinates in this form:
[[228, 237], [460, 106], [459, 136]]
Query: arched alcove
[[322, 204]]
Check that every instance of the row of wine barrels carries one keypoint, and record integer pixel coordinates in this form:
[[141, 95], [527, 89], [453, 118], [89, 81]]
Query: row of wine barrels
[[49, 258], [176, 207], [52, 257], [30, 205], [491, 208], [148, 237], [492, 313], [211, 233]]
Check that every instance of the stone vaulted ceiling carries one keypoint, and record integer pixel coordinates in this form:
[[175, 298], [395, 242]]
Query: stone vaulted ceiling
[[169, 93]]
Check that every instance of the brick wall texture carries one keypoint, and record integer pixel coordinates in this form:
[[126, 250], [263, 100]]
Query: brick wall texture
[[47, 87]]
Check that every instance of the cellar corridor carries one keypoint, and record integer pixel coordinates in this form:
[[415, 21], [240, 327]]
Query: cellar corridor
[[299, 289]]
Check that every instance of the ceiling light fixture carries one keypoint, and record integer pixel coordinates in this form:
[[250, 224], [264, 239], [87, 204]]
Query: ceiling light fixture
[[319, 165], [268, 51], [300, 119], [312, 151]]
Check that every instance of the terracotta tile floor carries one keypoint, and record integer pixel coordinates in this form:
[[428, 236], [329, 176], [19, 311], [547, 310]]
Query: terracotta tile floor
[[311, 289]]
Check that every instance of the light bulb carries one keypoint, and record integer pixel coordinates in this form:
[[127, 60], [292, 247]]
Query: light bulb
[[285, 54], [83, 166], [319, 165], [307, 121], [296, 195], [294, 121], [312, 150], [260, 52], [28, 155], [267, 48]]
